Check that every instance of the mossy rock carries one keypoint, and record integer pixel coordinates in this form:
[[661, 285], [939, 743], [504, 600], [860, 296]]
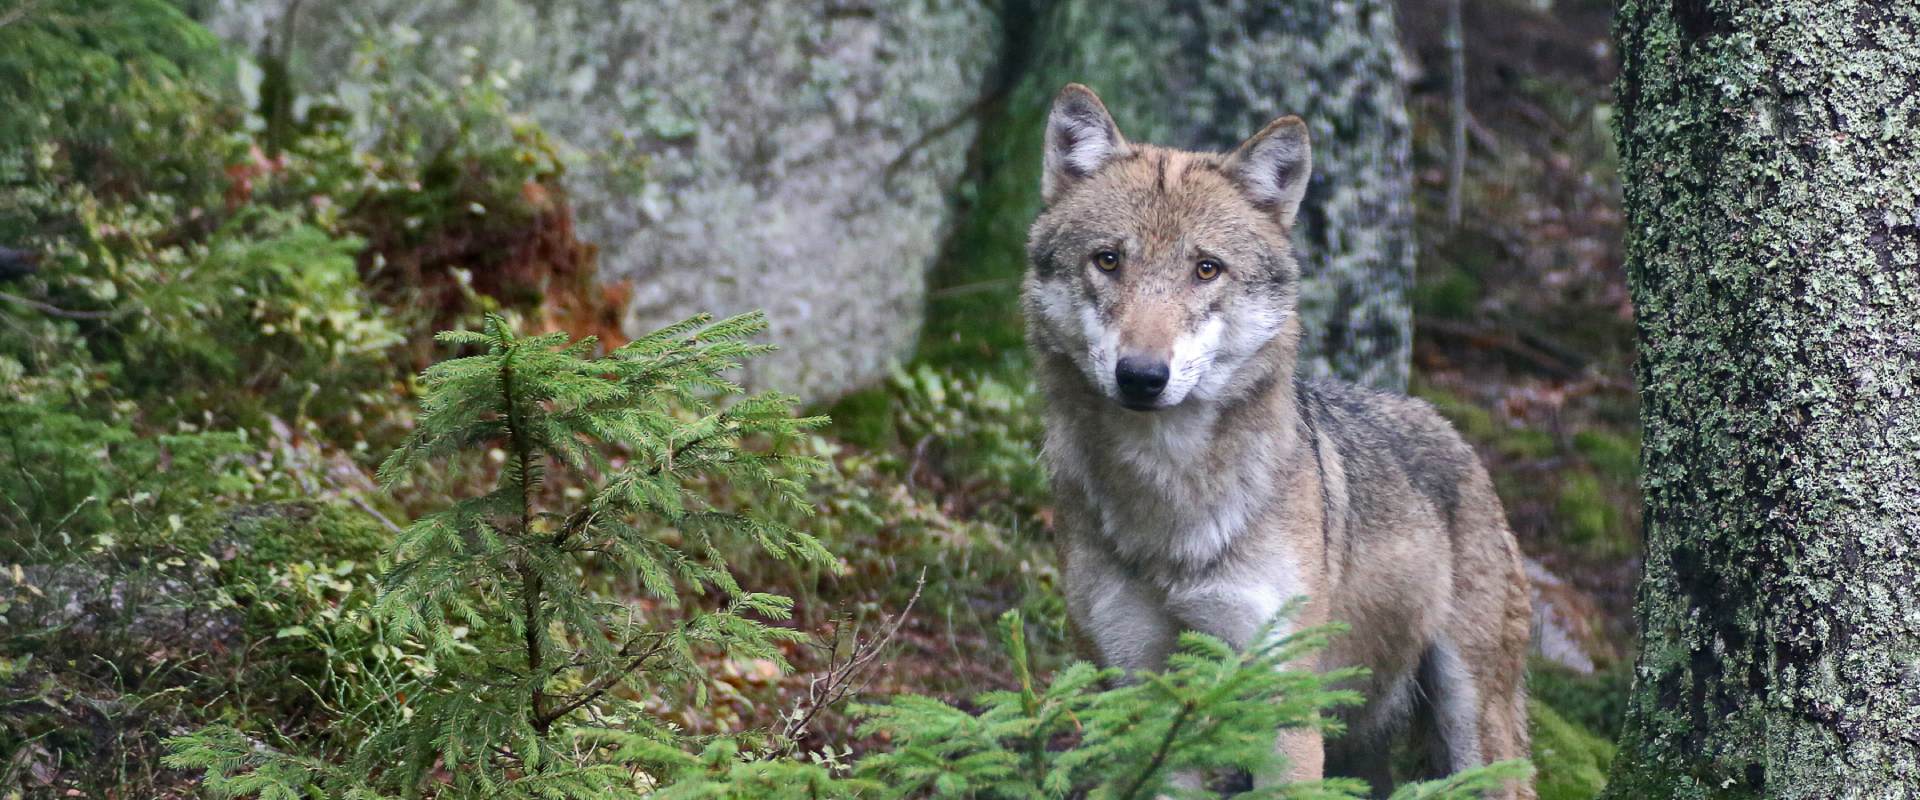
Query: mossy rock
[[792, 157], [267, 534]]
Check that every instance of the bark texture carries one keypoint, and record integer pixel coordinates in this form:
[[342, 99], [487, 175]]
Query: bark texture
[[1770, 154], [1206, 76]]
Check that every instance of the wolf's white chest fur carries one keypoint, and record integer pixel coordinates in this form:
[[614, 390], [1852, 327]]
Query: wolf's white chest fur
[[1161, 494], [1165, 504]]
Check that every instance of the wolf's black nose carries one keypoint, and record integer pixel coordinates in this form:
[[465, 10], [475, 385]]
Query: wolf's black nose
[[1140, 379]]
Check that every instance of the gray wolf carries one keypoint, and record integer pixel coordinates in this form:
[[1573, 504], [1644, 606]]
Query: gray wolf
[[1200, 484]]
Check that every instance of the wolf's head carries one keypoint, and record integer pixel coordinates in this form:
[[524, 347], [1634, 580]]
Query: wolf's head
[[1162, 274]]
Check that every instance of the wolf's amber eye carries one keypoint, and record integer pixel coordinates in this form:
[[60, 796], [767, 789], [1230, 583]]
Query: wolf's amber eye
[[1106, 260], [1207, 269]]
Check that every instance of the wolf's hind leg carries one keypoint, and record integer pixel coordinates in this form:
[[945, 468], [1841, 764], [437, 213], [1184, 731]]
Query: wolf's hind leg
[[1503, 736], [1469, 721], [1372, 764], [1452, 709]]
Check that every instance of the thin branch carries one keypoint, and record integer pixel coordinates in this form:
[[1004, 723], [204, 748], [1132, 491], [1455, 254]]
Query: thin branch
[[1507, 343], [973, 111], [838, 681], [1160, 753], [603, 684], [56, 311], [374, 512], [976, 287]]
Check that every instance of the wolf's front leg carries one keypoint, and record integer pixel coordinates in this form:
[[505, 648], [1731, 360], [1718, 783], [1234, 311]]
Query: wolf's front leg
[[1123, 617], [1306, 758], [1235, 611]]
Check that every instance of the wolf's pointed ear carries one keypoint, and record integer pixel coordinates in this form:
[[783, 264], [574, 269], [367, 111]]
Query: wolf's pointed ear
[[1081, 138], [1273, 166]]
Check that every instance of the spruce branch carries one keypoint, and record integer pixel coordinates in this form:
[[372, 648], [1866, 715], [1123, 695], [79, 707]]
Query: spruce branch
[[1162, 750], [605, 683]]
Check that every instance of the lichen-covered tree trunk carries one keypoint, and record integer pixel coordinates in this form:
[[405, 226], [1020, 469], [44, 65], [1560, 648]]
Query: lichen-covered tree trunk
[[1205, 76], [1770, 154]]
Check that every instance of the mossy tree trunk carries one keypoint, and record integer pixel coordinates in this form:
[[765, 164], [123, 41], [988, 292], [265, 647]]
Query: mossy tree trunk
[[1770, 154], [1206, 76]]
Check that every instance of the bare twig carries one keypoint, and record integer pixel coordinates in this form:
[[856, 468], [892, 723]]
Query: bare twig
[[973, 111], [919, 458], [1482, 135], [844, 677], [976, 287]]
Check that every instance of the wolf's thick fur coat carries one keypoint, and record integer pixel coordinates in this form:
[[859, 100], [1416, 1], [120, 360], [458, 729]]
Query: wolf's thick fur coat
[[1238, 486]]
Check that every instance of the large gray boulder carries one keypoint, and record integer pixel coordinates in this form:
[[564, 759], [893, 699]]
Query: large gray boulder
[[802, 153]]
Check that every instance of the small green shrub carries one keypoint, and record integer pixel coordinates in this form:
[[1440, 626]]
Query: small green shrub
[[528, 662], [1213, 711], [130, 187], [116, 96], [191, 363]]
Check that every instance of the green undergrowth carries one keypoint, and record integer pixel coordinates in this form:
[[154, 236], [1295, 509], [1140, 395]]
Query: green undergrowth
[[937, 469], [199, 370], [1594, 702], [1571, 761], [1575, 718]]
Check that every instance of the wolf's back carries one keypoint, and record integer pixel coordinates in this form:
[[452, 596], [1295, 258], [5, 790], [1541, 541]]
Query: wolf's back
[[1393, 450]]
